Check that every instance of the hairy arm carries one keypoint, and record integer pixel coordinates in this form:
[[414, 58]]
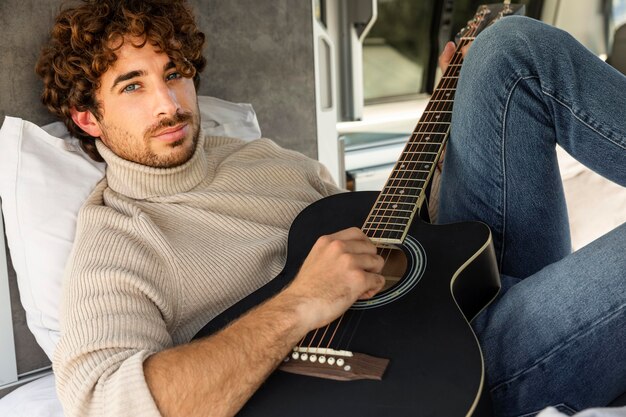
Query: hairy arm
[[215, 376]]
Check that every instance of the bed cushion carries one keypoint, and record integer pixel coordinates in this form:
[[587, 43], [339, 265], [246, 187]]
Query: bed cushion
[[35, 399], [44, 178]]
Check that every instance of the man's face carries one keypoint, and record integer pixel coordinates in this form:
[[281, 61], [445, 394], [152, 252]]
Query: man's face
[[149, 111]]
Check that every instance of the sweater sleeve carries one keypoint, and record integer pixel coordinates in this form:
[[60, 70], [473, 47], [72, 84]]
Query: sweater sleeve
[[115, 314]]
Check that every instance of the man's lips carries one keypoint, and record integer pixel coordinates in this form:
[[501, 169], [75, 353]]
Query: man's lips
[[172, 134]]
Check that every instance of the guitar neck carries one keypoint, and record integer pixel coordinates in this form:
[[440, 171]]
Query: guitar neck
[[404, 192], [405, 189]]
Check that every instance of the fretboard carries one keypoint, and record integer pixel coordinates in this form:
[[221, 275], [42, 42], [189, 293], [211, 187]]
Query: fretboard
[[404, 191]]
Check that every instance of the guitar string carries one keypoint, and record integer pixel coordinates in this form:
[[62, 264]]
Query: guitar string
[[399, 177], [456, 60], [385, 253], [338, 322], [447, 84]]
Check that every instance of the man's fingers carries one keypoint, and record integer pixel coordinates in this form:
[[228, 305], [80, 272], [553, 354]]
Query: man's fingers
[[352, 233], [376, 282], [446, 56]]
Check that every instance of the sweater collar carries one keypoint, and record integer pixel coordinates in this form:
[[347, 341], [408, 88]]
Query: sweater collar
[[139, 181]]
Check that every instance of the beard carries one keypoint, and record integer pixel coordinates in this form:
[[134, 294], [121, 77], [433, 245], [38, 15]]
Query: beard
[[143, 150]]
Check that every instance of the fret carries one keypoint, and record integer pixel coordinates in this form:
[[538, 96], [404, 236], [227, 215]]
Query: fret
[[420, 153], [385, 229], [448, 94], [417, 164], [387, 208], [410, 155], [426, 140], [413, 166], [436, 117], [387, 221], [403, 184], [403, 181], [437, 123], [402, 198], [416, 170], [434, 129], [430, 146], [384, 234], [402, 202], [423, 147], [428, 135], [403, 192], [397, 227], [395, 220], [430, 132], [444, 89], [439, 106], [397, 204], [399, 215]]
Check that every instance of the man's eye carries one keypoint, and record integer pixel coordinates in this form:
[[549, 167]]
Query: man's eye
[[130, 88], [173, 76]]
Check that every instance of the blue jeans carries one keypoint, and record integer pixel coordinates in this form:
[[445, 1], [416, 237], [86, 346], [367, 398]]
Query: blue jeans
[[556, 335]]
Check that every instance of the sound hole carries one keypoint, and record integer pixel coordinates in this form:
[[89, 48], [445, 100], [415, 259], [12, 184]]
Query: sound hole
[[395, 266], [404, 268]]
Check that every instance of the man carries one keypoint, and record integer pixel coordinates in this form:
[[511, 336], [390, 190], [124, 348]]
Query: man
[[183, 226]]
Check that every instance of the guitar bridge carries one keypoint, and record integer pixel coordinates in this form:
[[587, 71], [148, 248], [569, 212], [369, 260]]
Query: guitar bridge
[[339, 365]]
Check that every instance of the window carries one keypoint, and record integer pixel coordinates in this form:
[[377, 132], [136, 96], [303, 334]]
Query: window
[[396, 51], [398, 56]]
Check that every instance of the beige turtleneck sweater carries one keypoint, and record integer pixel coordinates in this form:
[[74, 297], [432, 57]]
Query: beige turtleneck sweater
[[160, 252]]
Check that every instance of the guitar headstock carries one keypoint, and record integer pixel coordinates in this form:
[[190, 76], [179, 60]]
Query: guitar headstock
[[488, 14]]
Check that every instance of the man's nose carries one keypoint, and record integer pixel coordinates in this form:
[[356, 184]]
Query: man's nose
[[165, 101]]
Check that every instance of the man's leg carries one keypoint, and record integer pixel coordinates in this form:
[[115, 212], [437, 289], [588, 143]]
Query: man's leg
[[524, 87], [560, 334]]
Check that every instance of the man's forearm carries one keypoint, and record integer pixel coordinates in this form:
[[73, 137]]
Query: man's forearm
[[216, 375]]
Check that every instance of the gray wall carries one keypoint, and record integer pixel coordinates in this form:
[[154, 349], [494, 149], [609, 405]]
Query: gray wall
[[258, 52], [262, 52]]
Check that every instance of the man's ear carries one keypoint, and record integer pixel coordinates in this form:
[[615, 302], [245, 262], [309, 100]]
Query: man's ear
[[86, 121]]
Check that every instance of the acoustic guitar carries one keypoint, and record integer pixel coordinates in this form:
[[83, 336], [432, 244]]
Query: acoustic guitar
[[409, 350]]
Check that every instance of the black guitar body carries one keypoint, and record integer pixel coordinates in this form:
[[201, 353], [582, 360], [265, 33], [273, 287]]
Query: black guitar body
[[435, 367]]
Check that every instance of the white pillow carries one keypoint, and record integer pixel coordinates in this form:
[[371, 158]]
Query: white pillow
[[44, 179]]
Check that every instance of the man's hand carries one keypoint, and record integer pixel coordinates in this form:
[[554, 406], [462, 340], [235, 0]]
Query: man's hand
[[216, 375], [340, 269], [448, 52], [446, 56]]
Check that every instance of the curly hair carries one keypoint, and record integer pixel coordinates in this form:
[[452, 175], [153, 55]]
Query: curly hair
[[83, 44]]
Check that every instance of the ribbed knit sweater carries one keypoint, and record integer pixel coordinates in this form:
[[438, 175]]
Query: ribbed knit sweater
[[159, 252]]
